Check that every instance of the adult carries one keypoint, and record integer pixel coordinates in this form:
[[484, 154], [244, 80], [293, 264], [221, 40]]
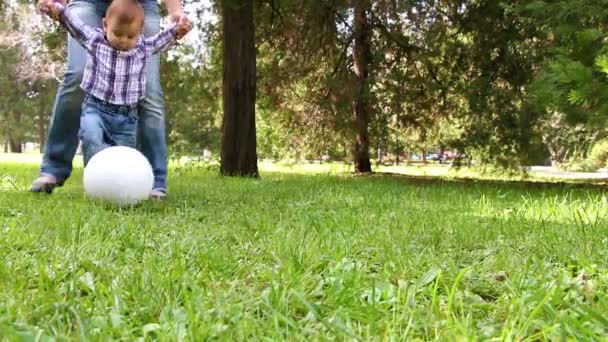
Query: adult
[[62, 139]]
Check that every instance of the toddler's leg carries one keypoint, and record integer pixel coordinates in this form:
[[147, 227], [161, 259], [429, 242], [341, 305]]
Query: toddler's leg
[[93, 132], [123, 129]]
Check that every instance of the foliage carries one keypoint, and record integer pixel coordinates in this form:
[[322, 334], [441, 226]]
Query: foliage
[[573, 79]]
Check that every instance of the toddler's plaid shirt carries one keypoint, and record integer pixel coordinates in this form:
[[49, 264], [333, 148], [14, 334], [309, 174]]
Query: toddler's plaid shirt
[[112, 75]]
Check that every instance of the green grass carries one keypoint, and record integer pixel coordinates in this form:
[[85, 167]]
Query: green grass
[[304, 256]]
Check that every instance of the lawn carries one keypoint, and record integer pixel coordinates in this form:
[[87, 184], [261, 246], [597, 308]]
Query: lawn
[[305, 255]]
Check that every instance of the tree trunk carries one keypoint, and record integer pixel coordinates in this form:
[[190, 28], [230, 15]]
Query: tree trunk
[[397, 144], [15, 140], [15, 145], [379, 154], [41, 135], [239, 150], [361, 105], [423, 156], [42, 120]]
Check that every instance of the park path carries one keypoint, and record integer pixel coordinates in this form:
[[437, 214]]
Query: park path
[[548, 171]]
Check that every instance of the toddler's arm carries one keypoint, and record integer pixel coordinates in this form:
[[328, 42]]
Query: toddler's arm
[[166, 38], [57, 10], [160, 41]]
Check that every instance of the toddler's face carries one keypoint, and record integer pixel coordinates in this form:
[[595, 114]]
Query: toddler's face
[[122, 36]]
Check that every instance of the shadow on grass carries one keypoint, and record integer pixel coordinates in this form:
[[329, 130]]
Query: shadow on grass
[[583, 184]]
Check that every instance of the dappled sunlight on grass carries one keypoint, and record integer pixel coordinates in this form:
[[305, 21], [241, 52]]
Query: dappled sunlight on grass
[[305, 253], [30, 158], [8, 183], [431, 170], [305, 168], [20, 158]]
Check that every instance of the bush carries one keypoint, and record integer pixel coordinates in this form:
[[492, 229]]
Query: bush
[[599, 154], [579, 165]]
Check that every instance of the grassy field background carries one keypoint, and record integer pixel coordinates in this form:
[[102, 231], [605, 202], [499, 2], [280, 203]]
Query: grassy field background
[[304, 254]]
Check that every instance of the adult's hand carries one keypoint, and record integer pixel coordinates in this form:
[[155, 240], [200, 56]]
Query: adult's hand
[[175, 10], [50, 8]]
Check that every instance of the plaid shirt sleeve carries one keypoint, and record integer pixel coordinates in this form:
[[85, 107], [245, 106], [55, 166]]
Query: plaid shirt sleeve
[[81, 32], [160, 41]]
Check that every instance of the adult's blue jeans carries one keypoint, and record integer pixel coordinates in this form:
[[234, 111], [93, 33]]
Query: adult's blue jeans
[[62, 140]]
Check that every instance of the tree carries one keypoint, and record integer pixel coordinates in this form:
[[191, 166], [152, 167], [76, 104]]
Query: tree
[[17, 92], [239, 151], [571, 86], [193, 102], [361, 105], [495, 53], [306, 82], [27, 78]]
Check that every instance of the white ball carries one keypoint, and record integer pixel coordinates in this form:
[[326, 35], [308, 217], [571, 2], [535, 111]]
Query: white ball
[[120, 175]]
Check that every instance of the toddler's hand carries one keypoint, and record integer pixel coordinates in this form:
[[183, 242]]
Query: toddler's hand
[[184, 25]]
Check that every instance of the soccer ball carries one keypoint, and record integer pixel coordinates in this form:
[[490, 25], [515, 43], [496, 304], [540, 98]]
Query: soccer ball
[[120, 175]]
